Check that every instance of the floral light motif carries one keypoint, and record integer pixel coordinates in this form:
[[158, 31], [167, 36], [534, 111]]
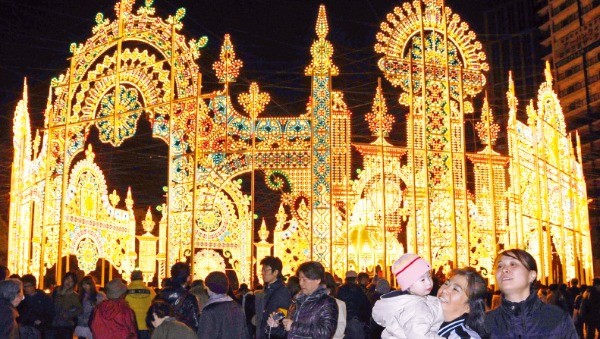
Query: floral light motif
[[486, 128], [207, 261], [322, 50], [87, 255], [228, 67], [254, 101], [380, 123]]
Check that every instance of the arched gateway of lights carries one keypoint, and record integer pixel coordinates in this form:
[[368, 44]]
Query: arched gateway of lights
[[410, 198]]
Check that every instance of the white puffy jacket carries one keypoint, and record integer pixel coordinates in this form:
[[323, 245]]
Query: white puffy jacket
[[408, 316]]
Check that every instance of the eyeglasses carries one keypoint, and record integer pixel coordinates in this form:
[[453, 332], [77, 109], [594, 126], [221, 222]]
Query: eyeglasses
[[266, 269]]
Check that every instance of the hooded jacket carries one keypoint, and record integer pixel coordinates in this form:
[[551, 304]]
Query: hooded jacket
[[408, 316], [530, 318], [113, 318], [222, 318]]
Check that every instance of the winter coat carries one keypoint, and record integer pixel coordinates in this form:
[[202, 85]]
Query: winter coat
[[357, 303], [314, 316], [408, 316], [8, 320], [185, 305], [590, 306], [222, 318], [83, 320], [38, 306], [341, 320], [275, 296], [456, 329], [247, 302], [139, 296], [530, 318], [173, 329], [66, 308], [113, 318]]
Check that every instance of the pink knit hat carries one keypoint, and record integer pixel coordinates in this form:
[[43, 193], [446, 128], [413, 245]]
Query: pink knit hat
[[408, 269]]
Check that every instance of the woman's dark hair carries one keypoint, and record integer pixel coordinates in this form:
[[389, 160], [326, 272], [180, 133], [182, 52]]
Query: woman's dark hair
[[476, 292], [93, 297], [71, 275], [524, 258], [313, 270], [330, 284], [161, 308]]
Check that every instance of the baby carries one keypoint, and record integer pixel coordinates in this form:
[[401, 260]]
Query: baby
[[410, 312]]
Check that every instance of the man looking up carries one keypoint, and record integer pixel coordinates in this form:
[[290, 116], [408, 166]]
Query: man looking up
[[275, 296]]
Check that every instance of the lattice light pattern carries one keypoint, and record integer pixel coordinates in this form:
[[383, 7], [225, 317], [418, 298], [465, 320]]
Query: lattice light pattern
[[404, 198]]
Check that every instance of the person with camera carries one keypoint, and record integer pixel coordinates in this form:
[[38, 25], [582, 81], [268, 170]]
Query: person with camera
[[313, 313], [275, 295]]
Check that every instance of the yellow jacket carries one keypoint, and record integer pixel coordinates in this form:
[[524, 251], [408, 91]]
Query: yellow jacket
[[139, 296]]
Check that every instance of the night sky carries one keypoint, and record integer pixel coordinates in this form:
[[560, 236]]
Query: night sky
[[272, 38]]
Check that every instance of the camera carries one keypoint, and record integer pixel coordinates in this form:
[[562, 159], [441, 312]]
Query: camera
[[278, 316]]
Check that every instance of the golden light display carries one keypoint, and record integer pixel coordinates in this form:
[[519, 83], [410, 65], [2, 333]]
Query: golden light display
[[410, 198]]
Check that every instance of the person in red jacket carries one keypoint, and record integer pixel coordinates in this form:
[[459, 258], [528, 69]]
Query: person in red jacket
[[113, 318]]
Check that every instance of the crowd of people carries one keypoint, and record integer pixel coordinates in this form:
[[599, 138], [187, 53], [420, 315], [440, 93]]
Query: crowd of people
[[311, 304]]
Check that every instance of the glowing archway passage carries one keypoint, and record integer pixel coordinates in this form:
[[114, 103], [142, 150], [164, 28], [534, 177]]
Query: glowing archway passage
[[412, 198]]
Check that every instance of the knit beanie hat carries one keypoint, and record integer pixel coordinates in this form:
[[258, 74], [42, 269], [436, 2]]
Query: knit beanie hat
[[408, 269], [217, 282], [115, 288], [383, 286]]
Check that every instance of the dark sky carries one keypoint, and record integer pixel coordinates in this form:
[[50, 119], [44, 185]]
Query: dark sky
[[271, 37]]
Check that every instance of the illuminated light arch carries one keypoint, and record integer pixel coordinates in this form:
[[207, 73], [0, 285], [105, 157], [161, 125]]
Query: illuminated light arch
[[307, 158], [94, 222]]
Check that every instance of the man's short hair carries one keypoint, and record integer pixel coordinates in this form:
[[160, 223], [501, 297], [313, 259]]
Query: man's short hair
[[137, 275], [179, 273], [29, 279], [273, 262], [362, 275], [10, 288]]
